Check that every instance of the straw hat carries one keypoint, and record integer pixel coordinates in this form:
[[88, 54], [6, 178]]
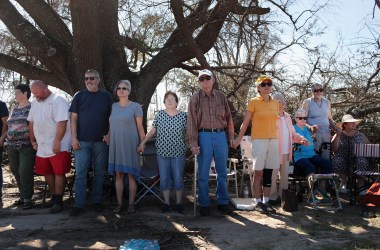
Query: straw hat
[[348, 118]]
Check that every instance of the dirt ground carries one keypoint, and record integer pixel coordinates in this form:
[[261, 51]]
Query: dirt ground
[[304, 229]]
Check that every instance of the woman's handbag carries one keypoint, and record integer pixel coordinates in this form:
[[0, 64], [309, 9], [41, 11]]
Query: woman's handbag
[[289, 201]]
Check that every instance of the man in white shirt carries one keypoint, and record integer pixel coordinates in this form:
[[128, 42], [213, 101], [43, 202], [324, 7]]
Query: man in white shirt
[[51, 138]]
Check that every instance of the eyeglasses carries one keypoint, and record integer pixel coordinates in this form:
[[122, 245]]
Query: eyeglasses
[[301, 118], [122, 88], [264, 84], [90, 78], [206, 78], [317, 90]]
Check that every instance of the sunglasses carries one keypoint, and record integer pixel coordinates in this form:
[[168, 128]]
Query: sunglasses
[[317, 90], [206, 78], [264, 84], [302, 118], [90, 78], [122, 88]]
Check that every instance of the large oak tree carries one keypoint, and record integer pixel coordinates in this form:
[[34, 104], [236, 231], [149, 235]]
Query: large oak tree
[[58, 49]]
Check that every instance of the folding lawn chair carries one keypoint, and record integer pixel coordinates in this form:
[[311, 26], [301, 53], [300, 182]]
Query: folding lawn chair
[[372, 153], [150, 174]]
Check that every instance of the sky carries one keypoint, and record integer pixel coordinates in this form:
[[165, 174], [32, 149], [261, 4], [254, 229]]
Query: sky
[[345, 18]]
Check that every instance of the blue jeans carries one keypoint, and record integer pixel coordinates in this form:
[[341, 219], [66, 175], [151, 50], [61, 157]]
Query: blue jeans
[[93, 154], [311, 165], [171, 172], [212, 145]]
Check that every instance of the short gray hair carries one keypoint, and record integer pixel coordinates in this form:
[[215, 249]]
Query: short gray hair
[[278, 95], [92, 71], [301, 112], [315, 85], [126, 82]]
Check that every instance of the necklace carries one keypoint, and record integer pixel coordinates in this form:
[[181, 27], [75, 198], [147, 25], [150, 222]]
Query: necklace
[[319, 105]]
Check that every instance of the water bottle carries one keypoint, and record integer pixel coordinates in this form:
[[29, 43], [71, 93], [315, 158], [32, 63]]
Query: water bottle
[[246, 192]]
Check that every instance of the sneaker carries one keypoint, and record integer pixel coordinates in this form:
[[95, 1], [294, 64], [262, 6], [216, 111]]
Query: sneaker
[[27, 205], [75, 211], [131, 208], [261, 207], [56, 208], [98, 207], [276, 202], [18, 202], [270, 208], [50, 203], [224, 209], [179, 208], [166, 208], [204, 211], [117, 209]]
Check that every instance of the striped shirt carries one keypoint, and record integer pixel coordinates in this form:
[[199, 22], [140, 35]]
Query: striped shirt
[[208, 112]]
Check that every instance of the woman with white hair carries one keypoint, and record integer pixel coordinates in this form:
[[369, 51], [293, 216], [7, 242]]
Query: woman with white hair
[[286, 136], [126, 133], [305, 158], [342, 145], [318, 112]]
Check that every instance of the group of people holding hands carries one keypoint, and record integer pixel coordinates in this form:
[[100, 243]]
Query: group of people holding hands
[[104, 133]]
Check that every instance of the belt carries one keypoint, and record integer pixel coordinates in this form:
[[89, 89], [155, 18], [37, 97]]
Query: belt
[[212, 130]]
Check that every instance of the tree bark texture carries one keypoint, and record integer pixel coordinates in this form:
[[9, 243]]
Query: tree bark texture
[[93, 41]]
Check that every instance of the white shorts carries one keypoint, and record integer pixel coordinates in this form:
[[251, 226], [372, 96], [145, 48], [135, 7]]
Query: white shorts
[[265, 154]]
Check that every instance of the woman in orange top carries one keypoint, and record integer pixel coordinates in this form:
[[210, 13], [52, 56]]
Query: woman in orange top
[[263, 111]]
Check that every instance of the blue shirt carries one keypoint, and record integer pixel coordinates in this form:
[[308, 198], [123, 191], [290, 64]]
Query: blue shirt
[[93, 110], [304, 151]]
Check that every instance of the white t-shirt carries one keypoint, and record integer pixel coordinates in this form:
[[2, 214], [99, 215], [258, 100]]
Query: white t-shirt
[[285, 137], [45, 115]]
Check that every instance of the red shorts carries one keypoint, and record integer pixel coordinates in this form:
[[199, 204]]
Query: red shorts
[[58, 164]]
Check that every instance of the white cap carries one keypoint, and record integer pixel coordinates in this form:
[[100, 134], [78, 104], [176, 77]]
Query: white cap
[[205, 72]]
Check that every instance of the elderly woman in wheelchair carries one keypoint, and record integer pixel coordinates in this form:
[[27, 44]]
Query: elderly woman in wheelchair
[[306, 160]]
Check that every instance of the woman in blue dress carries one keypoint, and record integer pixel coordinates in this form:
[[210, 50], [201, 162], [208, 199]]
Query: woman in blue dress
[[170, 125], [126, 133]]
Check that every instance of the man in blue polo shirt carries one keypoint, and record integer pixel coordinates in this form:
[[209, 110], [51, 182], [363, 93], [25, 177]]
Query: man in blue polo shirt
[[90, 111]]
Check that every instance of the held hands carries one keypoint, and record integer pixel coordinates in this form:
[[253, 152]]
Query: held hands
[[106, 139], [235, 143], [140, 148], [305, 142], [75, 144], [314, 129], [195, 150]]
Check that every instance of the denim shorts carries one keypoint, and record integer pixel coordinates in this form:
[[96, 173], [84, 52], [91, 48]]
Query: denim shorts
[[171, 172]]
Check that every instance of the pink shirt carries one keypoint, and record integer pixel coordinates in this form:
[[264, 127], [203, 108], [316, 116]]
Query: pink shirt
[[293, 136]]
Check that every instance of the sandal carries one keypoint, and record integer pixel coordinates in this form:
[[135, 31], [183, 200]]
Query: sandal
[[131, 208], [117, 209]]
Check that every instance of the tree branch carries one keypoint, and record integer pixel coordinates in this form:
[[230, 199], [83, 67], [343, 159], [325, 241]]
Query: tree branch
[[34, 41], [50, 22], [178, 15], [33, 72]]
